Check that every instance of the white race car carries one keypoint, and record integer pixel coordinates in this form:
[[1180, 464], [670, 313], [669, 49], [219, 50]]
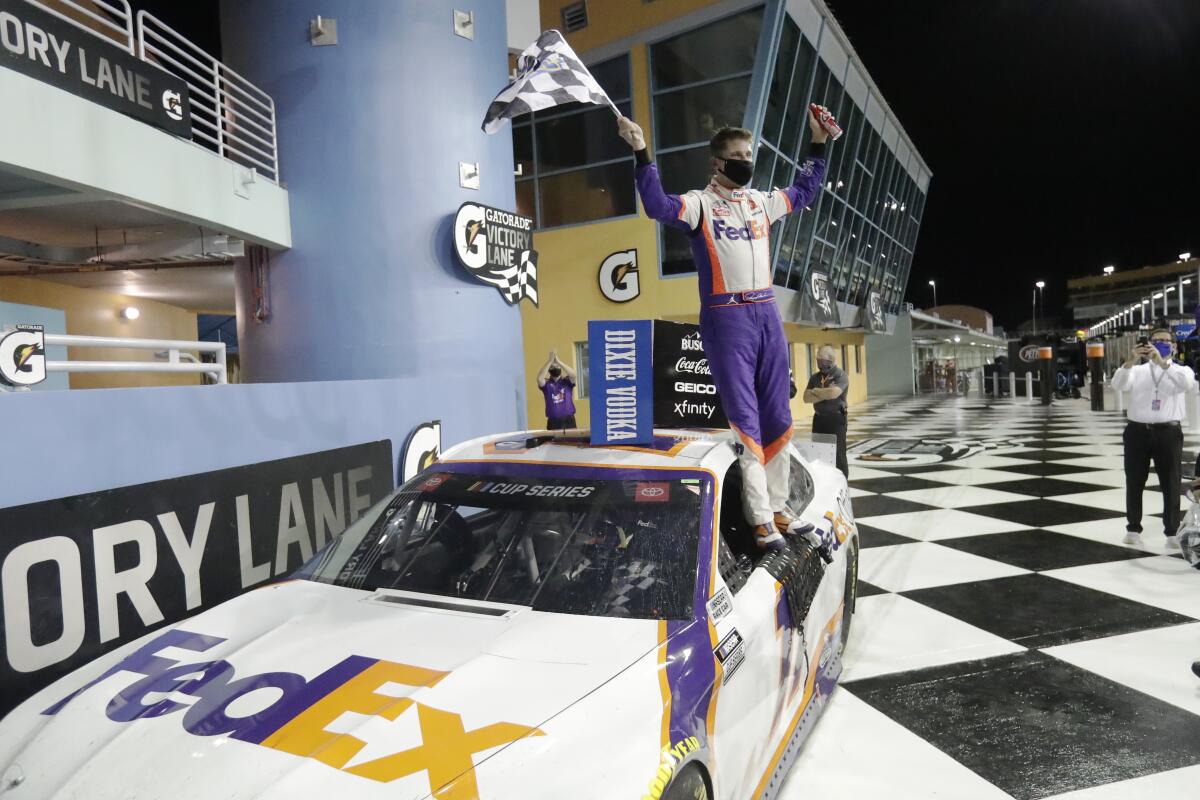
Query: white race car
[[531, 617]]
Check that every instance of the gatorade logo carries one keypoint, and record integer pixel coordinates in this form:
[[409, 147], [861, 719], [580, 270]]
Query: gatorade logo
[[23, 356]]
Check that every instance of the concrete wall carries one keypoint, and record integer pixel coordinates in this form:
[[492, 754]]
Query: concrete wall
[[371, 133], [93, 313], [76, 442], [890, 360]]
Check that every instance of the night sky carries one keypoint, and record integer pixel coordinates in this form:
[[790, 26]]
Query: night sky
[[1063, 135]]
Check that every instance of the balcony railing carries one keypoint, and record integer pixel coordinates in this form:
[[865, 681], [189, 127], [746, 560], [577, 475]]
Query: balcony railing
[[230, 115]]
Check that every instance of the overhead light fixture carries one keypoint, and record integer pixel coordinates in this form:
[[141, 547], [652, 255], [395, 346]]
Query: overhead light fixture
[[129, 312], [1040, 284], [1186, 281], [1170, 288], [1157, 295], [1185, 256], [958, 338], [1109, 270]]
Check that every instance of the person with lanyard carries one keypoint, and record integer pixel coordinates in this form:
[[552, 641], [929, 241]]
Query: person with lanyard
[[557, 382], [826, 390], [1157, 386]]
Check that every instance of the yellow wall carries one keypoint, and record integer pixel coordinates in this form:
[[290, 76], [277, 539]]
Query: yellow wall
[[94, 313], [569, 258], [609, 20]]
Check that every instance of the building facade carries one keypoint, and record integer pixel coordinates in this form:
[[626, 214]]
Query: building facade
[[683, 69]]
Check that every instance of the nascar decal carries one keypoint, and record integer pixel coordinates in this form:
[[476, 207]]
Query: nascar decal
[[500, 487], [496, 247], [296, 721], [731, 652]]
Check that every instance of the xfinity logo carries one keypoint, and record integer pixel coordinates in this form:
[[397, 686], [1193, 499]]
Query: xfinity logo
[[23, 356], [752, 230], [619, 276]]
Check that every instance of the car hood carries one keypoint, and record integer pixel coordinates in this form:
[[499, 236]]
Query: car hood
[[303, 689]]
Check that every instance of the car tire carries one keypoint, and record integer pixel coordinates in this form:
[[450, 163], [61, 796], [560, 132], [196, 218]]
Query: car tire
[[850, 596], [688, 784]]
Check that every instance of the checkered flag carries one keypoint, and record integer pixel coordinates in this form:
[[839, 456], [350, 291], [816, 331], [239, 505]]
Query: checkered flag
[[515, 282], [548, 74]]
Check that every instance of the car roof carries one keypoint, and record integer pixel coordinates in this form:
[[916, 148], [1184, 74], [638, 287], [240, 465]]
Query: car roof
[[671, 447]]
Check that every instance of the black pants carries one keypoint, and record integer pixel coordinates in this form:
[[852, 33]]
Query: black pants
[[836, 424], [1163, 443], [560, 424]]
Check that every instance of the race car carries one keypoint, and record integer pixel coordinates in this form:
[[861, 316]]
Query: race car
[[530, 617]]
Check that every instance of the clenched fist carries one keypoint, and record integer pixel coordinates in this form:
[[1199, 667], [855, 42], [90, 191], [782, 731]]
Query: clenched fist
[[631, 132]]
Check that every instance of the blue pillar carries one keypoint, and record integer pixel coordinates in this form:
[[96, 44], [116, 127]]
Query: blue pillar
[[371, 132]]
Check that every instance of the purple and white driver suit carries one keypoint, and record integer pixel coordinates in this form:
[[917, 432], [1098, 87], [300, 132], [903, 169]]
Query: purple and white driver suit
[[739, 321]]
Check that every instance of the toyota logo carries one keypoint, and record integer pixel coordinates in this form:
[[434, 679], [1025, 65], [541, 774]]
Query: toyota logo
[[653, 491]]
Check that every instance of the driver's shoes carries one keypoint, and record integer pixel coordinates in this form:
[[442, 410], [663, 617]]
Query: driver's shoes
[[798, 527], [769, 538]]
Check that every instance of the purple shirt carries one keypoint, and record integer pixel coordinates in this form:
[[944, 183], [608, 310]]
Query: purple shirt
[[560, 401]]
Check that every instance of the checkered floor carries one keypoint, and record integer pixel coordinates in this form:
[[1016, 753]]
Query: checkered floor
[[1006, 644]]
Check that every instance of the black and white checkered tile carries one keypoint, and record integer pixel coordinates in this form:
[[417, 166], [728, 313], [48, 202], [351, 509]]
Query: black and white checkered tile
[[1006, 643]]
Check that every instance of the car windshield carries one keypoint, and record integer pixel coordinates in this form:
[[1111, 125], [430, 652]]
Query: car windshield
[[615, 548]]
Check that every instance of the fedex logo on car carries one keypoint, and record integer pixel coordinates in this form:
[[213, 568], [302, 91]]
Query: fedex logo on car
[[753, 230], [300, 711]]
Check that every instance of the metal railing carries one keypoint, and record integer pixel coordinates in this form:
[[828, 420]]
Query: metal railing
[[173, 351], [230, 115]]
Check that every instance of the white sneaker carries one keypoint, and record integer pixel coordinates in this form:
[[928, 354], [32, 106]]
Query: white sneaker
[[1172, 543], [1132, 537]]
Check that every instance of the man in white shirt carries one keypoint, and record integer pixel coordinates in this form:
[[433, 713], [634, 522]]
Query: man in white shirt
[[1158, 387]]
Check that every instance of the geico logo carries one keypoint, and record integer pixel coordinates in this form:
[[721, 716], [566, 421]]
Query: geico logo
[[296, 720], [695, 388], [753, 230]]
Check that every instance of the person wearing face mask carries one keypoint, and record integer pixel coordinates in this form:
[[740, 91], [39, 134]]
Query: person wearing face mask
[[1157, 387], [728, 225], [827, 390], [557, 382]]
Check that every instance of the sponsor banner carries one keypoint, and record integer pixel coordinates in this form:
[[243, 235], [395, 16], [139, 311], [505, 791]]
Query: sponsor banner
[[873, 316], [618, 276], [23, 356], [496, 247], [622, 385], [684, 393], [82, 575], [1182, 332], [817, 304], [50, 50]]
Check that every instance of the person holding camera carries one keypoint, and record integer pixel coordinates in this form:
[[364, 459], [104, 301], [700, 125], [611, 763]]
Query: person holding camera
[[1157, 386]]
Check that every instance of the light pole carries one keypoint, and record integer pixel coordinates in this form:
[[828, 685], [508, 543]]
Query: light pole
[[934, 285], [1037, 292]]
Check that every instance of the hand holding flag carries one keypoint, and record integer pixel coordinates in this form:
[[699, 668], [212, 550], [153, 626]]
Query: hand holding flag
[[548, 74]]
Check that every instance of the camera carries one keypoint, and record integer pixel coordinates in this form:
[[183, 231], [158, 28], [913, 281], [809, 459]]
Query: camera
[[1143, 341]]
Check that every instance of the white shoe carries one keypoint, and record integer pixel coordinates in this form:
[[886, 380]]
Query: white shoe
[[1132, 537], [1172, 543]]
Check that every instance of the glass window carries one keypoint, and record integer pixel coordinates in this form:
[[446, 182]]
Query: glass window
[[781, 79], [858, 358], [581, 369], [693, 115], [797, 104], [578, 137], [587, 194], [560, 543], [724, 47]]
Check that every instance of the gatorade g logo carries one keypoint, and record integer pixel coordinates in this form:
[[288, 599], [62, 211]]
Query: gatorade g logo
[[423, 448], [619, 276], [752, 230], [23, 356], [172, 104], [288, 713]]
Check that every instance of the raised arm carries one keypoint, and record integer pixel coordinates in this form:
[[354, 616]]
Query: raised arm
[[669, 209], [567, 371], [809, 177], [544, 373]]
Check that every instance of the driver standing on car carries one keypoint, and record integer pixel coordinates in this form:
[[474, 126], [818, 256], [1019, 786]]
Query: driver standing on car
[[728, 225]]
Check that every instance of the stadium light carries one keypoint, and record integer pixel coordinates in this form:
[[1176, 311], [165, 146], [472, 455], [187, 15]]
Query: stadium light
[[1109, 270]]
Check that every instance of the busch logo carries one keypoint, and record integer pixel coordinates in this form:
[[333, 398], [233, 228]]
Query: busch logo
[[692, 342]]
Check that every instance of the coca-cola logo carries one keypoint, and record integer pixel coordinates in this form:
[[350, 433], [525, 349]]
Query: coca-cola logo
[[697, 367]]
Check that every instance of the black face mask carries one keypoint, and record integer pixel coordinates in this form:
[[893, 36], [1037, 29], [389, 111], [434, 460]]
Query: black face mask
[[738, 171], [555, 372]]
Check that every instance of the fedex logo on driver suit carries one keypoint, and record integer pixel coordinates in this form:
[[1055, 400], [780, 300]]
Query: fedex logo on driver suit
[[753, 230], [296, 720]]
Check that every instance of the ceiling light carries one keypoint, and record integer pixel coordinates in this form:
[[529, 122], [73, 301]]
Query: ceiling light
[[1157, 295], [129, 312]]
